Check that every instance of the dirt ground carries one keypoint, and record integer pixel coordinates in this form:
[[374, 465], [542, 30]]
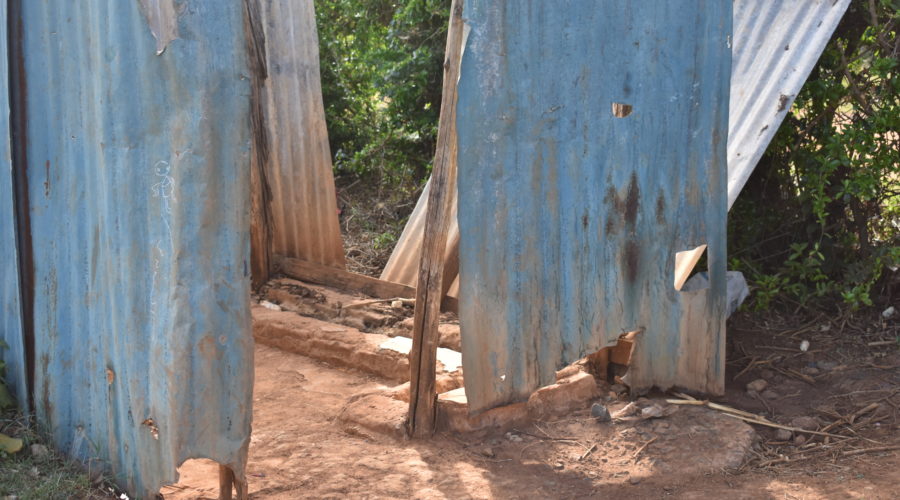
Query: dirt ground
[[299, 449]]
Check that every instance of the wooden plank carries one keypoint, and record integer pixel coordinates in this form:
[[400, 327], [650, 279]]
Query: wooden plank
[[345, 280], [227, 481], [423, 357], [260, 194]]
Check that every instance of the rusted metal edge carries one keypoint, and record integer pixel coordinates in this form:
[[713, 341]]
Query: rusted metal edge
[[18, 127]]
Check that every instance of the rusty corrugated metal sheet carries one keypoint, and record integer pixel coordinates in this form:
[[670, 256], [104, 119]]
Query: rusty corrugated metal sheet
[[571, 217], [304, 206], [135, 118], [776, 46], [10, 305]]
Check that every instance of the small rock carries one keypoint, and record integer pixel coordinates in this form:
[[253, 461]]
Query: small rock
[[627, 411], [799, 439], [634, 479], [652, 411], [515, 438], [618, 388], [600, 412], [826, 365], [487, 451], [397, 305], [805, 423], [39, 451], [783, 435], [270, 305], [889, 313], [559, 466], [757, 385], [810, 370], [660, 427], [769, 394], [804, 346]]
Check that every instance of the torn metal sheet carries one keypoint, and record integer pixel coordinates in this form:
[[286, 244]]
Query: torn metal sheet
[[162, 17], [304, 203], [138, 184], [13, 354], [591, 150], [776, 46]]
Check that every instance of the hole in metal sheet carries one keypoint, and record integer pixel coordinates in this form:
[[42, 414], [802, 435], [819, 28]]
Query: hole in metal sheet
[[151, 424], [611, 363], [621, 110]]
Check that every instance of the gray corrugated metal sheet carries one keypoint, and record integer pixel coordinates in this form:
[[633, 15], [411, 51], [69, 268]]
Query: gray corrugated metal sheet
[[776, 46], [10, 306], [138, 169], [304, 206], [570, 217]]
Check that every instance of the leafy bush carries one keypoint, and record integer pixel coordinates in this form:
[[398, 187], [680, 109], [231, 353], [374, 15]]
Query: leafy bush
[[821, 215], [381, 78]]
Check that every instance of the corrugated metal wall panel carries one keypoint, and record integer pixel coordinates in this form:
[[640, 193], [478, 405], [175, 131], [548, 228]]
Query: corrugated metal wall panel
[[776, 46], [138, 140], [304, 206], [10, 305], [570, 217]]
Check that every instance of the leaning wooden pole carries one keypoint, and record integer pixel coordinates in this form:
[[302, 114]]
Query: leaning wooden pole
[[423, 357]]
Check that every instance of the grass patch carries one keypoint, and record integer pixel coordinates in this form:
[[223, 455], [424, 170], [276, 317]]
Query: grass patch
[[39, 472]]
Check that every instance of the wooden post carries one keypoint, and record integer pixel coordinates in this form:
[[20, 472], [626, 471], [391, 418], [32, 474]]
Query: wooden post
[[423, 357], [227, 480]]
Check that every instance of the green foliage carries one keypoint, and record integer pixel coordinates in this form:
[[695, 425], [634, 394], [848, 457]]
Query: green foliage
[[381, 81], [821, 215]]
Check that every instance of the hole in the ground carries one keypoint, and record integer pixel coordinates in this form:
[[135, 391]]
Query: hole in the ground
[[621, 110]]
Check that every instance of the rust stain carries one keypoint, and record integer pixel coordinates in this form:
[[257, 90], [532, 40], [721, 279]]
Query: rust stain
[[782, 102], [47, 179], [661, 208], [632, 201]]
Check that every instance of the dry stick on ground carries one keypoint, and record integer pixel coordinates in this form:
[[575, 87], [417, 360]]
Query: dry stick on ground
[[644, 447], [364, 303], [423, 357], [748, 417], [851, 418], [588, 452], [869, 450]]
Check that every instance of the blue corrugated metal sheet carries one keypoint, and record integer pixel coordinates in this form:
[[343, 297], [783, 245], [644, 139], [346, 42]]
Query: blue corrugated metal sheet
[[10, 307], [776, 44], [571, 217], [138, 139]]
